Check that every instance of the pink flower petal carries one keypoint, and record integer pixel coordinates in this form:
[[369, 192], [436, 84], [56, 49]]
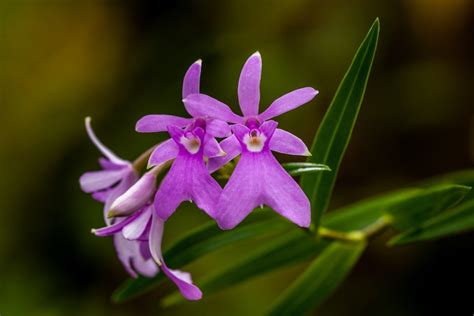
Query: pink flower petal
[[159, 123], [164, 152], [282, 193], [130, 255], [187, 180], [217, 128], [288, 102], [249, 85], [259, 179], [287, 143], [184, 283], [99, 180], [242, 193], [192, 79], [136, 228], [201, 105], [232, 148], [212, 148], [156, 237], [104, 150], [117, 226], [135, 197]]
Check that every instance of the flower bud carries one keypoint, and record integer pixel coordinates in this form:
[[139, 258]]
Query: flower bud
[[135, 197]]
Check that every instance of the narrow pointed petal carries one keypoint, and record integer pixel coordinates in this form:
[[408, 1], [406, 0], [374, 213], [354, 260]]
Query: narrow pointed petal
[[130, 256], [282, 193], [135, 197], [159, 123], [288, 102], [287, 143], [164, 152], [182, 279], [192, 79], [137, 227], [218, 128], [104, 150], [184, 283], [201, 105], [156, 237], [242, 193], [249, 85], [99, 180], [212, 148], [232, 148], [117, 226]]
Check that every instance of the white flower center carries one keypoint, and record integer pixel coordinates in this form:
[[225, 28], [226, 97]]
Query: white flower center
[[254, 141], [191, 143]]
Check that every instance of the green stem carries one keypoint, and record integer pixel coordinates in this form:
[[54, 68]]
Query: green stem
[[142, 160], [355, 235]]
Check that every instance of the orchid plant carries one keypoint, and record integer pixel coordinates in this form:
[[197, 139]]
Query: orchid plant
[[137, 204]]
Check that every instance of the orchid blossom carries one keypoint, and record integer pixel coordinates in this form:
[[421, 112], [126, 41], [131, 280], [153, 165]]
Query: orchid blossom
[[137, 238], [192, 141], [258, 177]]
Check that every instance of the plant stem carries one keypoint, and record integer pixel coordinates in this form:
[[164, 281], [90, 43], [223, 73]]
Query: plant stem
[[142, 160], [356, 235]]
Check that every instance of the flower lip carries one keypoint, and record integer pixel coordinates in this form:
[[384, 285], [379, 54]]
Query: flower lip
[[191, 142], [254, 140]]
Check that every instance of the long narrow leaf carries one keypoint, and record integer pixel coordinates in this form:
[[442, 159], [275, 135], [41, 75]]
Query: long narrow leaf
[[463, 177], [199, 242], [320, 280], [299, 168], [407, 207], [412, 212], [363, 213], [336, 128], [457, 220]]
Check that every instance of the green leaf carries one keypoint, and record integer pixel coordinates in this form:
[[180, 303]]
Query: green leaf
[[463, 177], [204, 239], [320, 280], [289, 248], [299, 168], [406, 208], [361, 214], [413, 211], [454, 221], [336, 128]]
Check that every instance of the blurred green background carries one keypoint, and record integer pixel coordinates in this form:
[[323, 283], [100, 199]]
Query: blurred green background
[[119, 60]]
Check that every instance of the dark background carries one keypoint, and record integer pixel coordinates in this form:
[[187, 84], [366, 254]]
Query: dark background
[[119, 60]]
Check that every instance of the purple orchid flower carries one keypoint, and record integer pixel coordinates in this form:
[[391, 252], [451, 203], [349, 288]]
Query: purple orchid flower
[[258, 177], [192, 141], [106, 186], [137, 238]]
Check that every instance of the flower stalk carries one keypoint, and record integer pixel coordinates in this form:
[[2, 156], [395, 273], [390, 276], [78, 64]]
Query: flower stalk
[[142, 160], [356, 235]]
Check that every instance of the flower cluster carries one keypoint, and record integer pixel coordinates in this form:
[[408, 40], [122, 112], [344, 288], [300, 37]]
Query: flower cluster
[[136, 208]]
